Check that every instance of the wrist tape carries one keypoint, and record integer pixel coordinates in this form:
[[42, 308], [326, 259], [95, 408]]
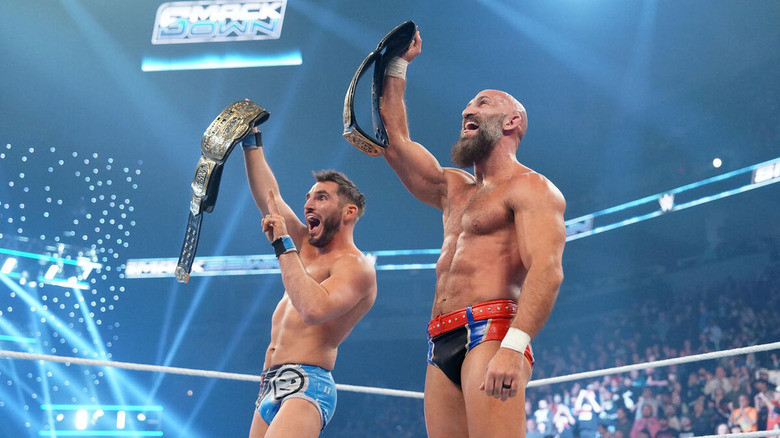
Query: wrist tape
[[283, 245], [396, 68], [516, 339], [252, 141]]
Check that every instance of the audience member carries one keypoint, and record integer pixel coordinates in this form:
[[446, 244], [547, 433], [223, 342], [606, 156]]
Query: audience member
[[773, 410], [647, 422], [702, 419], [586, 410], [745, 415], [563, 420], [686, 431], [543, 415], [664, 430], [719, 381], [670, 412], [532, 429]]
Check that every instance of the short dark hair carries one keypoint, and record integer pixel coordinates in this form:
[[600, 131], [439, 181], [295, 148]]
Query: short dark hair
[[348, 191]]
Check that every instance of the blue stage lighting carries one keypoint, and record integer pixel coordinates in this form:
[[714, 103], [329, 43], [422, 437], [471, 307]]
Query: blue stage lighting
[[615, 217], [8, 266], [19, 339], [102, 420], [208, 62]]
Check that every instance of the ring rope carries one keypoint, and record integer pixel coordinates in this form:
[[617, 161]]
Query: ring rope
[[128, 366], [190, 372], [655, 364], [386, 391], [761, 433]]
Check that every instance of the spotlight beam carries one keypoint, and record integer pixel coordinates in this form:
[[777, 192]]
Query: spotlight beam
[[648, 207]]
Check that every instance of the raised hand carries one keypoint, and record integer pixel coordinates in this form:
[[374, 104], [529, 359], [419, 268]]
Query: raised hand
[[274, 225], [414, 48]]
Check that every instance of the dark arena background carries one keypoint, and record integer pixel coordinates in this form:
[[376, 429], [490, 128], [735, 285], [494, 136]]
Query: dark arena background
[[658, 120]]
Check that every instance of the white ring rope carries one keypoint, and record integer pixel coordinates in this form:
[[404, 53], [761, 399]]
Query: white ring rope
[[656, 364], [761, 433], [190, 372], [128, 366], [386, 391]]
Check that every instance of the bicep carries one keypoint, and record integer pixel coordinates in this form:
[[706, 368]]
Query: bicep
[[540, 226], [350, 281], [418, 170]]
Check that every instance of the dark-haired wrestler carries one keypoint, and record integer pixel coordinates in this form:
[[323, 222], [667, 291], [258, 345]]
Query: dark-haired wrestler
[[329, 286], [499, 270]]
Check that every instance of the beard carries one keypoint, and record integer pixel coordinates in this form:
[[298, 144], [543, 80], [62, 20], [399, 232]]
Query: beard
[[467, 151], [330, 226]]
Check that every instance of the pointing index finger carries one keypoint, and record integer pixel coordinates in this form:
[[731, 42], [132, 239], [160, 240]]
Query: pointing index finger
[[271, 201]]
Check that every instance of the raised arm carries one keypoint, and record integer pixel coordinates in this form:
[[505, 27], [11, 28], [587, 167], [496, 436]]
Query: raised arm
[[352, 278], [261, 180], [417, 168]]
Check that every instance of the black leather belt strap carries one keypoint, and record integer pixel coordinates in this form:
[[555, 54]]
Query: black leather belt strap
[[189, 247], [222, 135], [393, 44]]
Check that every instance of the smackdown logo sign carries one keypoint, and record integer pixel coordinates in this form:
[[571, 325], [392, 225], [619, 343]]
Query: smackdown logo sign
[[216, 21]]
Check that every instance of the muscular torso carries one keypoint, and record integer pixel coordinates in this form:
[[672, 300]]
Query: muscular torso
[[294, 341], [480, 258]]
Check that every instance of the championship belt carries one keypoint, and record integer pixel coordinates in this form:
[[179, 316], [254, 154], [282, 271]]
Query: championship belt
[[227, 130], [393, 44]]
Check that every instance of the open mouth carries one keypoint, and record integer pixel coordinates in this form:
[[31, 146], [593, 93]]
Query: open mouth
[[470, 126], [312, 222]]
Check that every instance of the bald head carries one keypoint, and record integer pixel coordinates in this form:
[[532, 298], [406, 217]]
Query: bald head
[[492, 118], [511, 106]]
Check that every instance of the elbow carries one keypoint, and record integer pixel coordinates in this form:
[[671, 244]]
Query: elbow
[[553, 272], [559, 276], [313, 316], [309, 319]]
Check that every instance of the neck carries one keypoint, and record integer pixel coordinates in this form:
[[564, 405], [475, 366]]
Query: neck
[[500, 160], [341, 240]]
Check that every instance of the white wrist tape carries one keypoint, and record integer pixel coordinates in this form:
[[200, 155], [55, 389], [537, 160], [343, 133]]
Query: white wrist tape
[[396, 68], [516, 339]]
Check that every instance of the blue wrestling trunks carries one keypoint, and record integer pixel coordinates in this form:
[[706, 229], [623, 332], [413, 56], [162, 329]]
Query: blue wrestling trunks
[[453, 335], [283, 382]]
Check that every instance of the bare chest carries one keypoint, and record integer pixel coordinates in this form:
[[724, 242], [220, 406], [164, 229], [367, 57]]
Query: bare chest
[[317, 267], [479, 212], [319, 270]]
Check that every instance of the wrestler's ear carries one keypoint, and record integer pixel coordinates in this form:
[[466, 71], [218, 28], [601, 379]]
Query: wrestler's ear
[[513, 121], [349, 212]]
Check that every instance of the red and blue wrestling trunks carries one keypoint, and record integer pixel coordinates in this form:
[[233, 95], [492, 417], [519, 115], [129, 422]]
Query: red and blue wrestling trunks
[[454, 334]]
